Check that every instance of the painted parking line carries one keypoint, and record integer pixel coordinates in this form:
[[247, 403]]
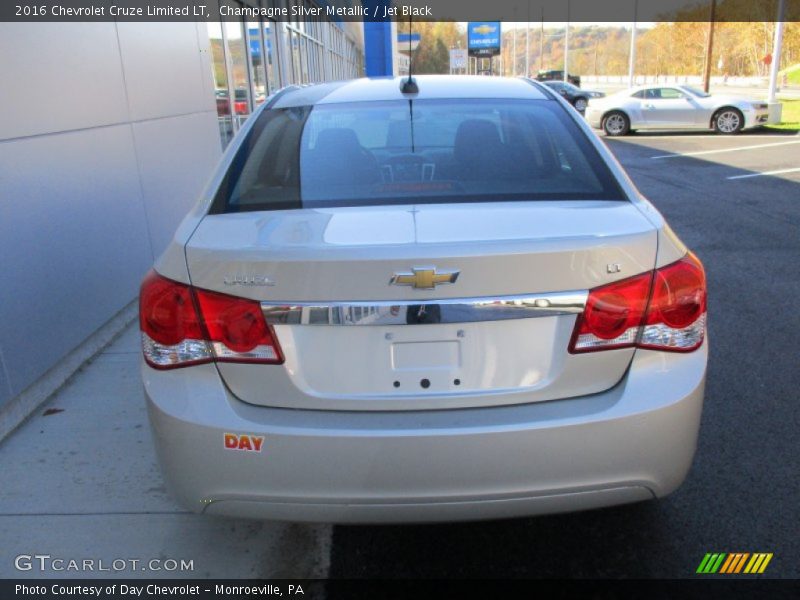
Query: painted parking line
[[719, 151], [777, 172], [704, 136]]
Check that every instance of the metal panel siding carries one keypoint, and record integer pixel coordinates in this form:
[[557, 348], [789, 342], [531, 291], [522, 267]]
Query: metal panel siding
[[95, 176], [5, 387], [163, 75], [58, 77], [73, 239], [176, 158]]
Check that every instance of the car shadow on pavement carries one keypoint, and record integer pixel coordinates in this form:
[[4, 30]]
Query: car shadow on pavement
[[553, 546], [756, 131]]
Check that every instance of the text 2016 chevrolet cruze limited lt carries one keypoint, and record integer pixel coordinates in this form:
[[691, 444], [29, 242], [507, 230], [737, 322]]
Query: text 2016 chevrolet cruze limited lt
[[433, 306]]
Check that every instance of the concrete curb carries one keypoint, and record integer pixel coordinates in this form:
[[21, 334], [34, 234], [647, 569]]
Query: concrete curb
[[20, 407]]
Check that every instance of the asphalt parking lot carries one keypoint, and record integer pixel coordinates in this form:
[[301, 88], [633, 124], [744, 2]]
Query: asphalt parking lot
[[742, 492], [83, 482]]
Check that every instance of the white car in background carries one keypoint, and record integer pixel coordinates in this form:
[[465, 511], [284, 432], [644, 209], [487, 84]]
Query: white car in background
[[674, 107], [432, 305]]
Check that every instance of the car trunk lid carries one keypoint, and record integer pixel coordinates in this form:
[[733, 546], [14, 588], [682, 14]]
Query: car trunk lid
[[354, 341]]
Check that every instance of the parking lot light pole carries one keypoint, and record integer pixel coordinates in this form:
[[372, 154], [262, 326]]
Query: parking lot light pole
[[514, 51], [566, 47], [775, 107], [632, 55], [776, 54], [709, 47], [541, 43], [528, 46]]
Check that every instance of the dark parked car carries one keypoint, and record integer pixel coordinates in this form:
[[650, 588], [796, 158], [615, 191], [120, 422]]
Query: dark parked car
[[552, 75], [576, 96], [240, 104]]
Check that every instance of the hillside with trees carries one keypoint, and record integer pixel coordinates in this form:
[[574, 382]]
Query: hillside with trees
[[668, 48]]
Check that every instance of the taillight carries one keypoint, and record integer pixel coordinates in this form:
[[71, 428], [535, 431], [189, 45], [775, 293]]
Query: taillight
[[663, 310], [237, 329], [676, 317], [613, 315], [171, 332], [174, 334]]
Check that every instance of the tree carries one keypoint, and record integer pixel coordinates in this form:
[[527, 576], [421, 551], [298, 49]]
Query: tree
[[436, 38]]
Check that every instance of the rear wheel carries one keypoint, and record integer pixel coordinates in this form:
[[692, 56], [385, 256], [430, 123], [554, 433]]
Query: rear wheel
[[728, 121], [580, 104], [616, 123]]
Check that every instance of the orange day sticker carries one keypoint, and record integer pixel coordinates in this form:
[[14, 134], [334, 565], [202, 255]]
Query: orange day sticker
[[245, 442]]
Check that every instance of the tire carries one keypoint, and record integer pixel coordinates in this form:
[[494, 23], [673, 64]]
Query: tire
[[728, 121], [580, 104], [616, 123]]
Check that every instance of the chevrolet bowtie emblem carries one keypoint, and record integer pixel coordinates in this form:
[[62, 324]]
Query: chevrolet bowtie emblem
[[424, 278]]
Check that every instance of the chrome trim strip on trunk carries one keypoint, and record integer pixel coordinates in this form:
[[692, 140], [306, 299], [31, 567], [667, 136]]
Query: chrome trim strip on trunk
[[418, 312]]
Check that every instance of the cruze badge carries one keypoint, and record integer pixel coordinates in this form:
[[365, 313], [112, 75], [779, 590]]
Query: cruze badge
[[247, 280], [424, 278]]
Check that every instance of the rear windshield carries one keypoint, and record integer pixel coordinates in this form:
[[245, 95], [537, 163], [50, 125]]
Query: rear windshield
[[412, 152]]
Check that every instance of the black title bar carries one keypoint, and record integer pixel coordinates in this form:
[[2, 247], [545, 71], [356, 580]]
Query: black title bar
[[704, 587], [574, 11]]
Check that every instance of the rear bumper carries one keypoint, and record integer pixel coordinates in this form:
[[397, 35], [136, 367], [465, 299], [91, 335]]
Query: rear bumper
[[633, 442]]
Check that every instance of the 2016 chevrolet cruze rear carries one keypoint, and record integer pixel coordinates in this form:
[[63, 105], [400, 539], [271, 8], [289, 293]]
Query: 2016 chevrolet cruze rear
[[442, 305]]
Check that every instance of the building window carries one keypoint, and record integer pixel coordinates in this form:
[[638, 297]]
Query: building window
[[220, 75], [259, 87], [253, 59], [270, 51], [238, 70]]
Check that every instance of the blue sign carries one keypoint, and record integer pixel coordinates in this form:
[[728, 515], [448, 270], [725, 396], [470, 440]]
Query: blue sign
[[483, 38], [408, 37], [407, 41], [255, 42]]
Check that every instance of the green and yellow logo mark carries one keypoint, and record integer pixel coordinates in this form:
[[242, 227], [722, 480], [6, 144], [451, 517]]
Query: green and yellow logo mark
[[735, 562]]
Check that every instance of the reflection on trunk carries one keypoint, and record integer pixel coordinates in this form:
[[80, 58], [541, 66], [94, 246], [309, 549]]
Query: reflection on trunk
[[458, 311]]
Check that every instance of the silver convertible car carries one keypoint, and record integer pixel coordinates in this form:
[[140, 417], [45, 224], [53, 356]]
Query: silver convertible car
[[434, 301], [674, 107]]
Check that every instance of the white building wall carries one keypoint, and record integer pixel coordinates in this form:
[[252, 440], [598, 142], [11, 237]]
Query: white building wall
[[108, 131]]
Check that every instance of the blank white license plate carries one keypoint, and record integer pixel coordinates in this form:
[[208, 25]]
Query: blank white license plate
[[407, 356]]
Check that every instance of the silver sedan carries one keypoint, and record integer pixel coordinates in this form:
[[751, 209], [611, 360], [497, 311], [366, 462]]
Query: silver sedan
[[674, 107], [429, 302]]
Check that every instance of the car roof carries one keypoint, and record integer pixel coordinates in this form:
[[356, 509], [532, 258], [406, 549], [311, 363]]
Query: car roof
[[430, 87], [651, 86]]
